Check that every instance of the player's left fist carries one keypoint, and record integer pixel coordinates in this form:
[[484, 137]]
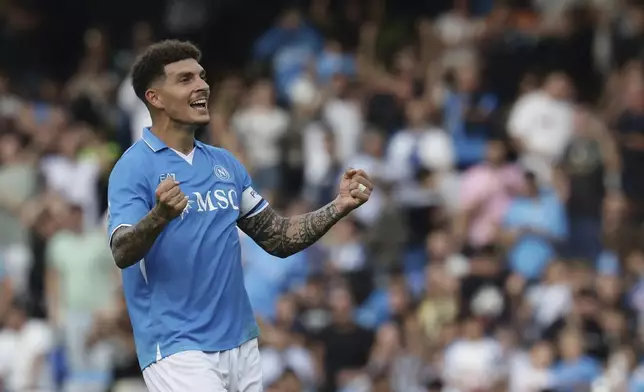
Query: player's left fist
[[355, 189]]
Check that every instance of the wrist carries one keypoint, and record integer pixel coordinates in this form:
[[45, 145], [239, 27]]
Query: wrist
[[159, 215], [342, 207]]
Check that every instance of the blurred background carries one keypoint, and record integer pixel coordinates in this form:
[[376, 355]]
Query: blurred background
[[502, 250]]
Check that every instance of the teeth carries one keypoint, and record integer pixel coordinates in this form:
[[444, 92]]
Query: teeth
[[199, 102]]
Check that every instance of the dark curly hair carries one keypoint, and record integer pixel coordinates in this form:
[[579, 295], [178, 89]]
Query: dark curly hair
[[149, 66]]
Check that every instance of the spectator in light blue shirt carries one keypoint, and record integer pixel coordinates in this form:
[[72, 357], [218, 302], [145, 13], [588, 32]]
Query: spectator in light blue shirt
[[468, 112], [290, 46], [374, 311], [332, 61], [575, 371], [267, 277], [534, 223], [384, 304], [636, 382], [607, 263]]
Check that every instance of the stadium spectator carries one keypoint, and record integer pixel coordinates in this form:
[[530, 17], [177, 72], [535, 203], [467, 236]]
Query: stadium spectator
[[26, 344], [260, 127], [541, 122], [79, 281]]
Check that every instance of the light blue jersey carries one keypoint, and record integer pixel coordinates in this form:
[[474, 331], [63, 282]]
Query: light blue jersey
[[188, 292]]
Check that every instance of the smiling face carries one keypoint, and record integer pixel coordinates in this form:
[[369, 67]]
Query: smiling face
[[182, 94]]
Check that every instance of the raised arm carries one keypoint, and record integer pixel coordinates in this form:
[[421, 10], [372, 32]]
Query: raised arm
[[131, 242], [283, 236]]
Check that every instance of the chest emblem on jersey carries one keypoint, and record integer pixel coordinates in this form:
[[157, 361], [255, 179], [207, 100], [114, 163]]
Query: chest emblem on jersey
[[167, 175], [222, 173]]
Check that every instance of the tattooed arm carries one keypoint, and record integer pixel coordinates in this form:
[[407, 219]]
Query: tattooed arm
[[283, 236], [130, 244]]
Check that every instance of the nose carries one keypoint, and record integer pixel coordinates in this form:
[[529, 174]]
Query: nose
[[202, 85]]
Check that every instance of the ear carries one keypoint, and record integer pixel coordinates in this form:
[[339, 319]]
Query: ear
[[154, 99]]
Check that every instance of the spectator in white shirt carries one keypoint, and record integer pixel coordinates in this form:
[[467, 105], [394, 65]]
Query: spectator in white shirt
[[68, 168], [541, 123], [25, 345], [419, 145], [622, 371], [138, 114], [346, 253], [261, 126], [529, 371], [473, 363], [458, 33], [10, 104], [372, 161], [551, 299], [321, 163], [344, 114]]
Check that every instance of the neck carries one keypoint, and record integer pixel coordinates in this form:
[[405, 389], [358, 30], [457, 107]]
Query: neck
[[176, 136], [343, 322]]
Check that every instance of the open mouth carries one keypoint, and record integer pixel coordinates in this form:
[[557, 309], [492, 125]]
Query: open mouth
[[199, 104]]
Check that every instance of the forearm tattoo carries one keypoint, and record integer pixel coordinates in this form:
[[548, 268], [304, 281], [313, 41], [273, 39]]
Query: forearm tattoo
[[284, 236], [131, 244]]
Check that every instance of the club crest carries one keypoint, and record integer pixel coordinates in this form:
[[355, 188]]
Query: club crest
[[222, 173]]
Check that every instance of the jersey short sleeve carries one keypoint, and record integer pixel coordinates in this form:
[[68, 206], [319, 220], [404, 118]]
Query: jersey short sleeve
[[251, 202], [127, 195]]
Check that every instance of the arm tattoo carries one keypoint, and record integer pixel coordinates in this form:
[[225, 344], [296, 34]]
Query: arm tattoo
[[284, 236], [130, 244]]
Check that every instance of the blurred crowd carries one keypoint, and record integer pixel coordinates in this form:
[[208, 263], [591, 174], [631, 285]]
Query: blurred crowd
[[502, 250]]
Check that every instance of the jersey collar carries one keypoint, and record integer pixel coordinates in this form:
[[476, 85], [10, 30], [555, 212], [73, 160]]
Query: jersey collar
[[156, 144]]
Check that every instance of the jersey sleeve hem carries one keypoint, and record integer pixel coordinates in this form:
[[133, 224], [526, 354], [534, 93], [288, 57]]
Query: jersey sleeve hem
[[261, 206], [251, 203], [114, 231]]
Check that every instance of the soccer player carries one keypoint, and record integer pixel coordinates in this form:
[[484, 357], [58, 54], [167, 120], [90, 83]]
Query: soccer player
[[174, 208]]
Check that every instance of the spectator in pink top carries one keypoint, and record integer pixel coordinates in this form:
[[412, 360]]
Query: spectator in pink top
[[486, 190]]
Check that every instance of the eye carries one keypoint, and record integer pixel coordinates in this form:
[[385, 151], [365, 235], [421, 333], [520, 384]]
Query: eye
[[185, 78]]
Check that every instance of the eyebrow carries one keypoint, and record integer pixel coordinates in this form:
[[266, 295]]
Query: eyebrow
[[180, 75], [189, 73]]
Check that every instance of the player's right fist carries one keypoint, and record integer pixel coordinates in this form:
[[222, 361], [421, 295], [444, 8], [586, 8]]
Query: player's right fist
[[170, 200]]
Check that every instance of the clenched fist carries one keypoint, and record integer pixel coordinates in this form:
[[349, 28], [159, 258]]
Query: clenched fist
[[355, 189], [170, 200]]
